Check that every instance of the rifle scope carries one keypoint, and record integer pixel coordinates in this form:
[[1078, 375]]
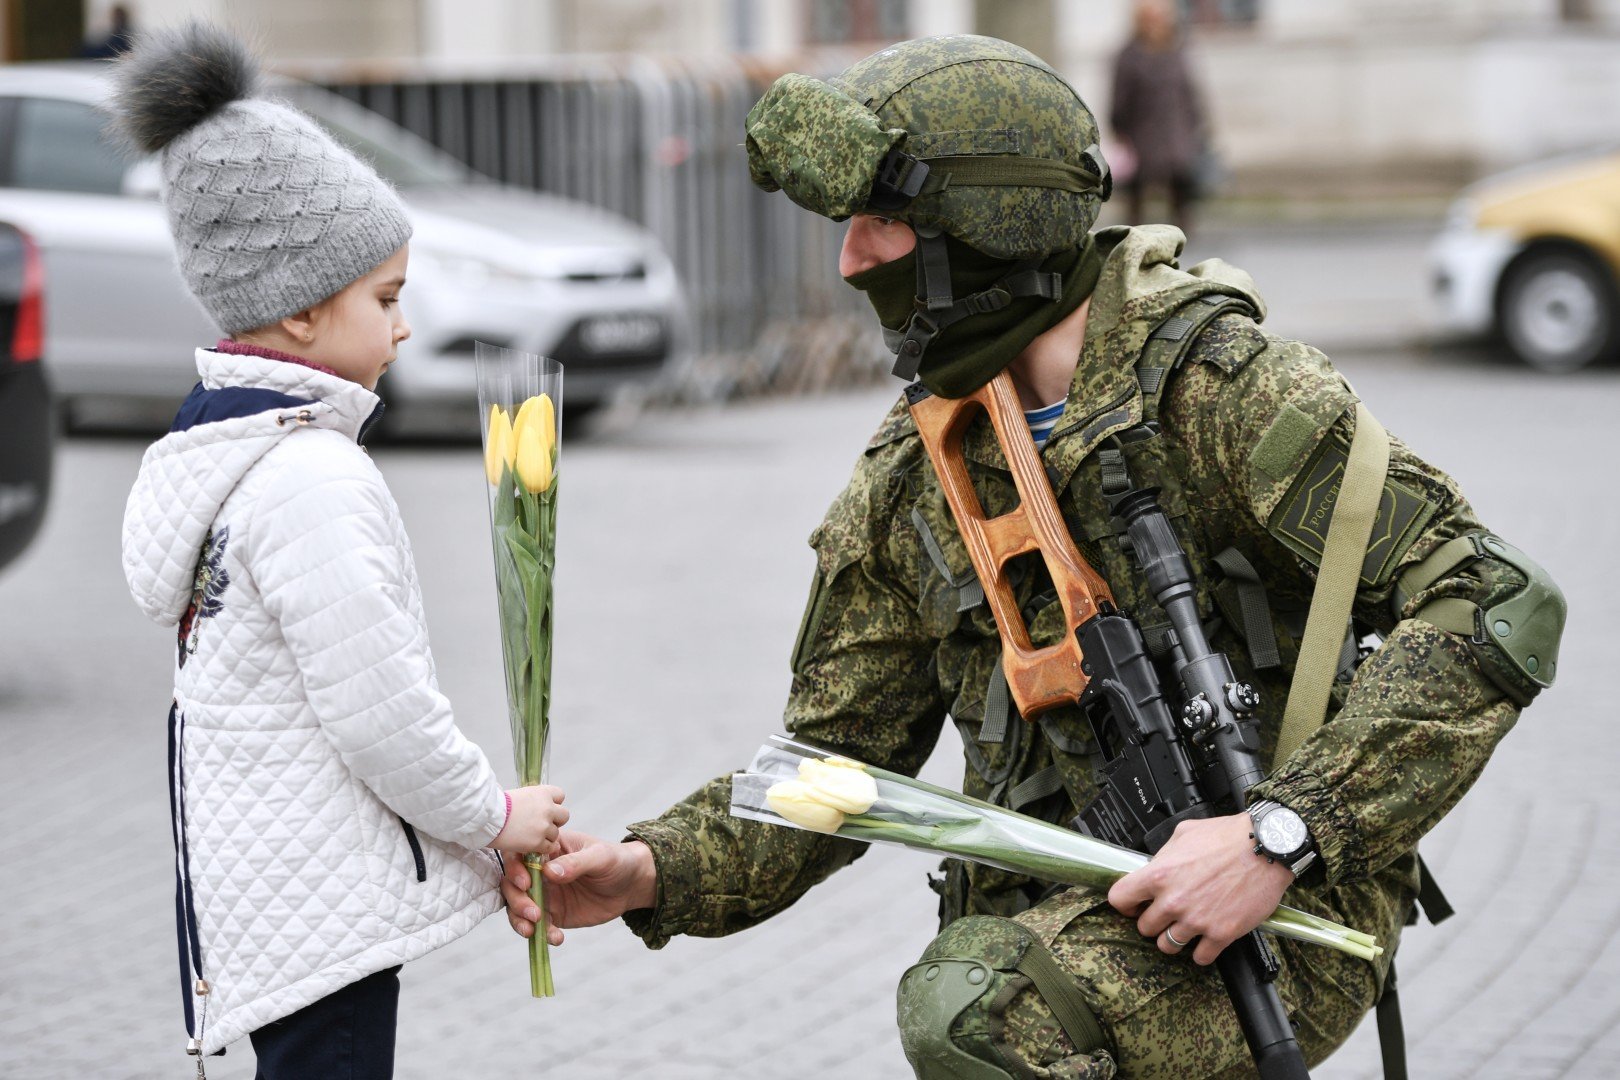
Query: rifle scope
[[1218, 716]]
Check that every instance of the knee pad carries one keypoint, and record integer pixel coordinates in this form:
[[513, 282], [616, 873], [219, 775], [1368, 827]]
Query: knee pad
[[952, 1003]]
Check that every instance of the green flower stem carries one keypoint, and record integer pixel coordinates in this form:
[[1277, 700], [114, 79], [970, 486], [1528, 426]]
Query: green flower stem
[[999, 837], [539, 948], [916, 814]]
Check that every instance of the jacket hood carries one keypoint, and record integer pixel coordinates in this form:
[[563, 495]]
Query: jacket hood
[[241, 408], [1140, 270]]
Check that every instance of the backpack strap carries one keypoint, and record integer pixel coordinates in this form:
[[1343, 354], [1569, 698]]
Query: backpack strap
[[1253, 608], [1436, 908], [1166, 349], [1167, 346], [1391, 1031]]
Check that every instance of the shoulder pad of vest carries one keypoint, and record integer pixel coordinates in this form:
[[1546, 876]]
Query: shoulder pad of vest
[[1230, 340]]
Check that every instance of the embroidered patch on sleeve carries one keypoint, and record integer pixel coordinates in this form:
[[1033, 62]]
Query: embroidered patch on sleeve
[[208, 591], [1301, 519]]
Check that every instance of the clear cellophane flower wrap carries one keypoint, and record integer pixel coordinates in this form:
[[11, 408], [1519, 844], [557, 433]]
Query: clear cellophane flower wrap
[[802, 786], [520, 398]]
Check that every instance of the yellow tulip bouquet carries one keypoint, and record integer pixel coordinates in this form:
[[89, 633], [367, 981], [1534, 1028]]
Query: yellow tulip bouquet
[[805, 787], [520, 396]]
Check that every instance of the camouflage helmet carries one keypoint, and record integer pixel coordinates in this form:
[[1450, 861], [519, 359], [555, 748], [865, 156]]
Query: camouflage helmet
[[970, 136]]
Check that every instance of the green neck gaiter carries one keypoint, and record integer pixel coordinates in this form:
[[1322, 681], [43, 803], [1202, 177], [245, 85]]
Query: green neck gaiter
[[968, 354]]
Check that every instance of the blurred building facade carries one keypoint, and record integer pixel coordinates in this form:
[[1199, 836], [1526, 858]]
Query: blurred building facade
[[637, 106], [1304, 93]]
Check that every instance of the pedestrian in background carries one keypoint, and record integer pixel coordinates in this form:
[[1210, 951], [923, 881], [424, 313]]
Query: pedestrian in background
[[331, 821], [1158, 115], [115, 42]]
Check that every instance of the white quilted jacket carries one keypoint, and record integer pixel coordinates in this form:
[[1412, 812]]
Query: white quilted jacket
[[308, 727]]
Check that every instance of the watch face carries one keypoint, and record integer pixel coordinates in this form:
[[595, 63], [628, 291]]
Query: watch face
[[1281, 832]]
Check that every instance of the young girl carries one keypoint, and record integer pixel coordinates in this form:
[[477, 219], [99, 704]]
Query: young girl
[[331, 822]]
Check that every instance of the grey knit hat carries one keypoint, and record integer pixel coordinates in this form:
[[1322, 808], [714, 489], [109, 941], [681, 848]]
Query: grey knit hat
[[269, 214]]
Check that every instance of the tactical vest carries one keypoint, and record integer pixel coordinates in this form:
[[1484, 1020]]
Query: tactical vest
[[1046, 767]]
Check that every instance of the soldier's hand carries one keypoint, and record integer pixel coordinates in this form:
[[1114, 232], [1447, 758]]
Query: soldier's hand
[[1206, 883], [589, 883]]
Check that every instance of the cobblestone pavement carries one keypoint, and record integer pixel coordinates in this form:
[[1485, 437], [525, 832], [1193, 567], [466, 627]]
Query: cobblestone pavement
[[683, 576]]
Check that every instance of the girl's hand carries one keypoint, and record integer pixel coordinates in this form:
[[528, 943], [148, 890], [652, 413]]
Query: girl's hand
[[590, 883], [536, 820]]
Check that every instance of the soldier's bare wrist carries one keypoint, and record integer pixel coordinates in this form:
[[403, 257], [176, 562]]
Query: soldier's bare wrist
[[643, 892]]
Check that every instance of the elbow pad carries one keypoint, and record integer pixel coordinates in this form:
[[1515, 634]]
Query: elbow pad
[[1515, 630]]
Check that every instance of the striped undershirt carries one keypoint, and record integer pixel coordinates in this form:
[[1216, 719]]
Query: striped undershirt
[[1041, 421]]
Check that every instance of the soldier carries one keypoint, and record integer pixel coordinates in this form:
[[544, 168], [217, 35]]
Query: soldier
[[971, 177]]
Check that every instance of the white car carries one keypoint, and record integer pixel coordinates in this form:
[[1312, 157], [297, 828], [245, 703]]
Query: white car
[[488, 263]]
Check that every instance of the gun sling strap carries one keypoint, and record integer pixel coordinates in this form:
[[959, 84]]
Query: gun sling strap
[[1361, 491]]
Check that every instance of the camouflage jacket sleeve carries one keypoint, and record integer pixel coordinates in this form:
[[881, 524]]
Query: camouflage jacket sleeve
[[863, 683], [1263, 421]]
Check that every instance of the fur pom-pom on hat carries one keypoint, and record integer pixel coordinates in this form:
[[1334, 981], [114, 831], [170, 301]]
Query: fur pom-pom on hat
[[174, 79]]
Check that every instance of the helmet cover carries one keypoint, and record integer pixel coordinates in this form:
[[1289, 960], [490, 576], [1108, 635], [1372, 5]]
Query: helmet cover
[[969, 135]]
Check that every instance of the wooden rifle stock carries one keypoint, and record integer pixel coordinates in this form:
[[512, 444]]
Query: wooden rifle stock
[[1037, 678]]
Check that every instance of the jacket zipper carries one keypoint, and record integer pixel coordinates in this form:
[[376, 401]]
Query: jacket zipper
[[370, 422], [416, 850], [1094, 415]]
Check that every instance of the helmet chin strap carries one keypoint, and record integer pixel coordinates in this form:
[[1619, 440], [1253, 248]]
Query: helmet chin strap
[[938, 309]]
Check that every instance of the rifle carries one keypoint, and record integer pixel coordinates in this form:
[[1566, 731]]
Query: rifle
[[1170, 766]]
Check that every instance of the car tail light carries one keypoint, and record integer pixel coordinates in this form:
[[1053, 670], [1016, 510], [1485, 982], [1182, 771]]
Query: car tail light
[[28, 331]]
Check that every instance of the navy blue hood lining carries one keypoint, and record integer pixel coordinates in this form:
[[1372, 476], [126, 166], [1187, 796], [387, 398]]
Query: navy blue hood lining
[[204, 406]]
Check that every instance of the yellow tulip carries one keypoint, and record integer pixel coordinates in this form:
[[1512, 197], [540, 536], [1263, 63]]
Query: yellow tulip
[[533, 460], [500, 449], [839, 783], [539, 413], [798, 802]]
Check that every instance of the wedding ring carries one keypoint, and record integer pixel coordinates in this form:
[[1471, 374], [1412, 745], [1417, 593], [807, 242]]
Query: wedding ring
[[1176, 941]]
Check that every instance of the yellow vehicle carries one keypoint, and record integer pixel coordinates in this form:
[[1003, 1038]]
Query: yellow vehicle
[[1535, 254]]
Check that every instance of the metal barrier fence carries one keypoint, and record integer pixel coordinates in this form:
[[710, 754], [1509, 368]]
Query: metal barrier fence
[[660, 141]]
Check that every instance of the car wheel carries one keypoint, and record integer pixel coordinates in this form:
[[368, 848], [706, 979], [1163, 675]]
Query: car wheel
[[1558, 310]]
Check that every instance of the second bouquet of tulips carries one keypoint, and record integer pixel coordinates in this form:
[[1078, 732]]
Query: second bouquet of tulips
[[520, 396], [803, 786]]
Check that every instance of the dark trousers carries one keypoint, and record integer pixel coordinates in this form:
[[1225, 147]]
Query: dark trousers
[[1181, 186], [347, 1035]]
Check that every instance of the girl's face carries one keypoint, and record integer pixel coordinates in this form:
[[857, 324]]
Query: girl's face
[[356, 332]]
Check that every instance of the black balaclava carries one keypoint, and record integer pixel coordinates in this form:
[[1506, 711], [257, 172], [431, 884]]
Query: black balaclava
[[968, 353]]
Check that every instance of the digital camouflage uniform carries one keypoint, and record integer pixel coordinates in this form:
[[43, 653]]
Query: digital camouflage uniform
[[893, 644]]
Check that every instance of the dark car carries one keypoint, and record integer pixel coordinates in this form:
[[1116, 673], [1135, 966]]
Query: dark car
[[26, 427]]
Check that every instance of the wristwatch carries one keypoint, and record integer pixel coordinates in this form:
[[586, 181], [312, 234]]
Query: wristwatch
[[1280, 835]]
